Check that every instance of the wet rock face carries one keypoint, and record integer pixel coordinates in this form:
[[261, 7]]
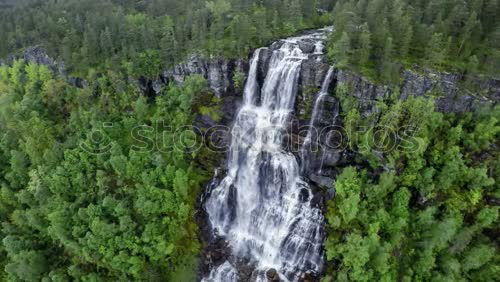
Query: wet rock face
[[313, 71], [218, 72], [321, 181], [306, 46], [454, 98], [264, 58], [215, 254]]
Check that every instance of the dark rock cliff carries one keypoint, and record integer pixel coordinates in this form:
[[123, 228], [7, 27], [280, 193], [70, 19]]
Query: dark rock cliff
[[38, 55]]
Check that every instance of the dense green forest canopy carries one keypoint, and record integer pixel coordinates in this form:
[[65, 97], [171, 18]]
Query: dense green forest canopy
[[109, 34], [376, 38], [379, 37], [73, 208], [423, 209]]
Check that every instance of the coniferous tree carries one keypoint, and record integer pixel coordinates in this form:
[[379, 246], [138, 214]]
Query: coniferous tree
[[435, 50], [106, 43], [365, 46], [341, 49], [388, 68]]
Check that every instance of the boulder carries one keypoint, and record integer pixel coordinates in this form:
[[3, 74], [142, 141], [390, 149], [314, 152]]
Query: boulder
[[306, 47], [309, 277], [330, 194], [321, 181], [276, 45], [272, 275], [78, 82]]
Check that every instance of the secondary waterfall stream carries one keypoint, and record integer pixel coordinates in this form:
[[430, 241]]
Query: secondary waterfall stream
[[306, 147], [263, 207]]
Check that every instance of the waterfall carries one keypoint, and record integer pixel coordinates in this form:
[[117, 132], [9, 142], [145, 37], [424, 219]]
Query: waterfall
[[251, 88], [262, 207], [307, 147]]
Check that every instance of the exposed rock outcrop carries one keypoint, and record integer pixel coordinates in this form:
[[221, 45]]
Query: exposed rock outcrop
[[452, 96], [38, 55], [446, 88], [218, 72]]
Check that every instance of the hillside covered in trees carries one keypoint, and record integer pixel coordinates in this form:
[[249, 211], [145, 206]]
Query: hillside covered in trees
[[378, 38], [80, 202], [74, 209], [425, 209], [111, 34]]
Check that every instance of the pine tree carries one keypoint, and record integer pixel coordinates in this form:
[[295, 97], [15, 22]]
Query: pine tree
[[341, 50], [405, 38], [435, 50], [294, 13], [364, 46], [466, 35], [106, 43], [168, 44], [309, 8], [388, 71]]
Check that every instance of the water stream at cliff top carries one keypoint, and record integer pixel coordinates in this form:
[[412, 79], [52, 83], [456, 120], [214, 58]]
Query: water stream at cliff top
[[263, 207]]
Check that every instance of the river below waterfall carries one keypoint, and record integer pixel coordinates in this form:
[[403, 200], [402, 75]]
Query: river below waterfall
[[262, 207]]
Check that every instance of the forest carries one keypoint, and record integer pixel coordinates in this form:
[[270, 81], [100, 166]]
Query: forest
[[423, 210], [68, 213], [71, 213], [378, 38], [111, 34]]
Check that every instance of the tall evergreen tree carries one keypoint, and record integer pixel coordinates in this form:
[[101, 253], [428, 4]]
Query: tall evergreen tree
[[364, 46], [435, 52], [340, 51]]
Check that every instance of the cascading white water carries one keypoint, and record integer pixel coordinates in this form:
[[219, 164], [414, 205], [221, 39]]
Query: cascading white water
[[262, 207], [307, 146]]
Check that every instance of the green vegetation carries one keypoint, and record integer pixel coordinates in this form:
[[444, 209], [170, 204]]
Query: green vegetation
[[70, 214], [86, 194], [109, 34], [239, 79], [378, 37], [95, 186], [419, 210]]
